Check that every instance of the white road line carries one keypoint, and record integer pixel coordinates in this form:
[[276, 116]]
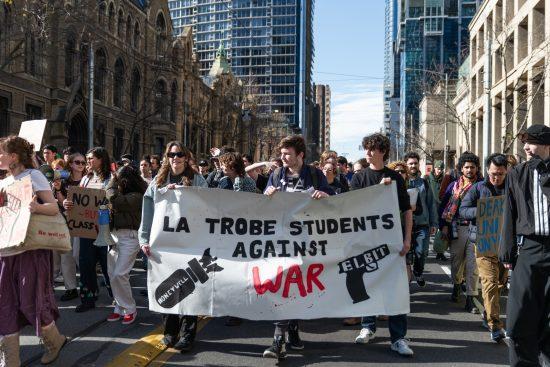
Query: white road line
[[446, 269]]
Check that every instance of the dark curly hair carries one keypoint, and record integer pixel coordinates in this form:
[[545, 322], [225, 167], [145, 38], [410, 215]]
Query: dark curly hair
[[21, 147], [467, 157], [294, 141], [498, 159], [233, 161], [411, 155], [129, 180], [103, 154], [379, 142]]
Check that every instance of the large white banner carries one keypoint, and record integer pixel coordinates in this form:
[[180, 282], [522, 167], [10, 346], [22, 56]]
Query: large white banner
[[218, 253]]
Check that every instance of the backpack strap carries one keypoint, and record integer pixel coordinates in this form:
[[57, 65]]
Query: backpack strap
[[314, 177]]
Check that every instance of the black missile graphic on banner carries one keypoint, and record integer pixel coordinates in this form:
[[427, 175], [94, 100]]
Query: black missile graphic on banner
[[181, 283]]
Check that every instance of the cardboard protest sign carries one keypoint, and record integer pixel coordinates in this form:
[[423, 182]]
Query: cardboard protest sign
[[82, 218], [33, 131], [14, 213], [216, 252], [489, 225]]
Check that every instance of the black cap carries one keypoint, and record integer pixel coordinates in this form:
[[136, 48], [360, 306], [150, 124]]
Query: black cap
[[536, 134], [203, 163]]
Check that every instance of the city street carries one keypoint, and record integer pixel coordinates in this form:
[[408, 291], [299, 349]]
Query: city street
[[441, 334]]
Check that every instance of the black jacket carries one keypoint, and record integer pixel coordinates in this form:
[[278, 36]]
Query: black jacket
[[483, 189], [525, 206]]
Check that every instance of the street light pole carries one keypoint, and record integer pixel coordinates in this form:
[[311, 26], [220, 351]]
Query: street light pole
[[446, 148]]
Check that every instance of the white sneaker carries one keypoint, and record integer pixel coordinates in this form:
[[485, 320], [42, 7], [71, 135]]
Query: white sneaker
[[402, 348], [364, 336]]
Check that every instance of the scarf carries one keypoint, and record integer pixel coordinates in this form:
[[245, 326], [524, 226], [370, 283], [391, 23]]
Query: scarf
[[461, 187]]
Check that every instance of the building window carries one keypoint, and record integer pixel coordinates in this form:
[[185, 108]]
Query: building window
[[31, 54], [161, 35], [33, 112], [128, 30], [118, 142], [173, 101], [120, 23], [111, 17], [69, 59], [135, 147], [4, 116], [84, 65], [136, 35], [134, 90], [118, 83], [101, 13], [100, 75], [159, 145], [160, 99]]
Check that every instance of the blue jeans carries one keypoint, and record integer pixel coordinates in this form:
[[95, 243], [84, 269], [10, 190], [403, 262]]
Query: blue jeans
[[397, 325], [421, 247]]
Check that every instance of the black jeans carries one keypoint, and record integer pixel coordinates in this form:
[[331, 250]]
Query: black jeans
[[529, 304], [176, 325], [89, 256], [282, 326]]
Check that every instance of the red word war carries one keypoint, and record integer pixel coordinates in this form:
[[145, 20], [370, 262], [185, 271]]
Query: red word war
[[293, 276]]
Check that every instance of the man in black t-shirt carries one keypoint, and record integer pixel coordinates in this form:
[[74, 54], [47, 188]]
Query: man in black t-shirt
[[377, 148]]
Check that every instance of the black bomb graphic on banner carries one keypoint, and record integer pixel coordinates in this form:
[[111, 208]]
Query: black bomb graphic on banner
[[354, 268], [181, 283]]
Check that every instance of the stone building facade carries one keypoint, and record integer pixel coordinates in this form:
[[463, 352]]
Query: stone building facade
[[146, 85]]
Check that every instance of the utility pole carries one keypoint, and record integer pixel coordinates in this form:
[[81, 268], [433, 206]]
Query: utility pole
[[446, 148], [487, 113], [91, 96]]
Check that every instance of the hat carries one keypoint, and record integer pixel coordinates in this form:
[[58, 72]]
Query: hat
[[439, 164], [203, 163], [536, 134]]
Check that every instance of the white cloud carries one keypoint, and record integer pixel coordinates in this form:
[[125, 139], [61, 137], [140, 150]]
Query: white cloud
[[356, 111]]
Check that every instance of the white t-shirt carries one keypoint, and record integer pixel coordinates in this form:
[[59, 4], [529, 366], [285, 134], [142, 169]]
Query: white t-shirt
[[39, 181]]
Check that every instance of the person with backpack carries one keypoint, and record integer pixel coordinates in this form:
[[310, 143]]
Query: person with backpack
[[426, 222], [294, 176]]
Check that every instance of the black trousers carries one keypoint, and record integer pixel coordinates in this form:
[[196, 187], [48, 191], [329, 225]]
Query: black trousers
[[89, 256], [175, 325], [529, 304]]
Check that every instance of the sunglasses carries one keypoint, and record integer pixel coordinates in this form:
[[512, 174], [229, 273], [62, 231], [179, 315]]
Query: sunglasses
[[177, 154], [80, 163]]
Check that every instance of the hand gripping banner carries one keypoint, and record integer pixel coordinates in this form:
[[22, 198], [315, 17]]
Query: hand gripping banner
[[218, 253]]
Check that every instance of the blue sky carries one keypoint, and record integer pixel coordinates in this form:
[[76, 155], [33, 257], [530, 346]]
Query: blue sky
[[349, 40]]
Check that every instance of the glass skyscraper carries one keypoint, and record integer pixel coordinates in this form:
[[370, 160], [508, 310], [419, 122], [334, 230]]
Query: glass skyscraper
[[432, 35], [391, 75], [269, 43]]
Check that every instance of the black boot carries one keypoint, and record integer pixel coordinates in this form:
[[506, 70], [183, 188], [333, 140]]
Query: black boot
[[188, 331], [456, 293]]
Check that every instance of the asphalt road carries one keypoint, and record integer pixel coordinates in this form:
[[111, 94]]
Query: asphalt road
[[441, 333]]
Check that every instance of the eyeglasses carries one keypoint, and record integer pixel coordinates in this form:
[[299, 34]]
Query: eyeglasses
[[176, 154], [80, 163]]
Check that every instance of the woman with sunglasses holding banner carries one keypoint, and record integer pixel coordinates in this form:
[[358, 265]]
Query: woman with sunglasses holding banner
[[179, 330]]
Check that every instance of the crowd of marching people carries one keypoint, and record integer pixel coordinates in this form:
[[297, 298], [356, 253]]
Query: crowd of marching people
[[438, 208]]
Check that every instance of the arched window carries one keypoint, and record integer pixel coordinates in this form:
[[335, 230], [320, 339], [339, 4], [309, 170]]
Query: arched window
[[173, 100], [84, 64], [161, 35], [160, 99], [137, 35], [101, 12], [70, 52], [134, 90], [33, 54], [120, 23], [128, 30], [111, 17], [118, 83], [100, 74]]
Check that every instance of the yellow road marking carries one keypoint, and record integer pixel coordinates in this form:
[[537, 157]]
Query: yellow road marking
[[148, 348]]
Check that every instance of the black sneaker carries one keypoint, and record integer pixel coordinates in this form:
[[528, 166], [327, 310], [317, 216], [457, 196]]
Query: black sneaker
[[276, 349], [84, 306], [441, 257], [185, 344], [293, 340], [420, 280], [69, 295]]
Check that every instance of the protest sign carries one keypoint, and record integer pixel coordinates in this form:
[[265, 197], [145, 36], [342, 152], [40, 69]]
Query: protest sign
[[82, 218], [33, 131], [489, 224], [217, 253], [14, 213]]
